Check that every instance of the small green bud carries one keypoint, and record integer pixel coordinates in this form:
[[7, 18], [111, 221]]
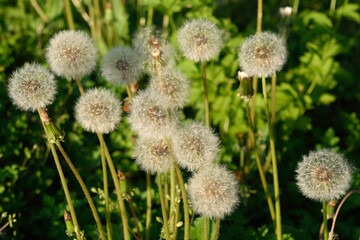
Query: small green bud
[[53, 133], [245, 90], [69, 224]]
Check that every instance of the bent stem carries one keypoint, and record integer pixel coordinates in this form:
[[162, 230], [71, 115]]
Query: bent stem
[[83, 187], [106, 194], [185, 202], [326, 234], [66, 191], [274, 163], [117, 187], [148, 206], [260, 168], [206, 100], [338, 210], [163, 209], [217, 228]]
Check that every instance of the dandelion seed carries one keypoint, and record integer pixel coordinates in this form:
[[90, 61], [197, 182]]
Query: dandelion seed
[[153, 154], [122, 65], [285, 11], [32, 87], [262, 54], [98, 110], [200, 40], [196, 146], [323, 175], [71, 54], [213, 191]]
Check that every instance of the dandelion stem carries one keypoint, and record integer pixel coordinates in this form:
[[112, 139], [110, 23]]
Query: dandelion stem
[[296, 7], [128, 90], [326, 233], [206, 100], [66, 191], [259, 166], [106, 193], [83, 187], [163, 209], [206, 228], [135, 218], [166, 191], [185, 202], [217, 229], [273, 95], [117, 187], [78, 81], [176, 217], [274, 163], [148, 206], [259, 16], [69, 15], [172, 198]]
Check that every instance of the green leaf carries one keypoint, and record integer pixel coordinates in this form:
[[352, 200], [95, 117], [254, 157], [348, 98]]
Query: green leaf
[[327, 98]]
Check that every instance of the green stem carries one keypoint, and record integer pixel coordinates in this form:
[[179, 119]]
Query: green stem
[[150, 16], [68, 14], [273, 95], [148, 206], [117, 188], [185, 202], [260, 168], [66, 191], [83, 187], [296, 7], [217, 229], [259, 16], [176, 218], [274, 163], [128, 90], [332, 7], [206, 228], [106, 193], [326, 231], [166, 191], [172, 199], [163, 209], [78, 81], [206, 100]]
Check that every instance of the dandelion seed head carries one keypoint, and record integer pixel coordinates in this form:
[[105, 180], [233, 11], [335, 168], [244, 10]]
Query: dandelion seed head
[[323, 174], [262, 54], [122, 65], [98, 110], [32, 87], [200, 40], [71, 54], [213, 191], [196, 146]]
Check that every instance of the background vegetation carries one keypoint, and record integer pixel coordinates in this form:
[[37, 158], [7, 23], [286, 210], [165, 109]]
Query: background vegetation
[[317, 106]]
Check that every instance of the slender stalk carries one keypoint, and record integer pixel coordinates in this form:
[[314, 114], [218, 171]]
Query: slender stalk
[[260, 168], [164, 213], [176, 218], [206, 228], [135, 218], [68, 14], [326, 233], [148, 206], [166, 191], [83, 187], [97, 18], [106, 193], [78, 81], [273, 96], [39, 11], [274, 163], [296, 7], [172, 198], [185, 202], [332, 7], [338, 210], [117, 187], [150, 16], [3, 227], [259, 16], [217, 228], [66, 191], [128, 90], [206, 100]]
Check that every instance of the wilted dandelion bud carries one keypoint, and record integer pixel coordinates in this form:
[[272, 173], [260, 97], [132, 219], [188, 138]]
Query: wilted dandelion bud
[[323, 175], [262, 54], [213, 191], [122, 65], [173, 88], [285, 11], [245, 90], [153, 154], [71, 54], [98, 110], [147, 117], [196, 146], [32, 87], [200, 40]]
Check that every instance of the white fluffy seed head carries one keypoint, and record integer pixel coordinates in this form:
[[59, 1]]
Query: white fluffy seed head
[[200, 40], [213, 191], [148, 118], [98, 110], [153, 154], [32, 87], [173, 88], [196, 146], [71, 54], [153, 48], [323, 175], [262, 54], [122, 65]]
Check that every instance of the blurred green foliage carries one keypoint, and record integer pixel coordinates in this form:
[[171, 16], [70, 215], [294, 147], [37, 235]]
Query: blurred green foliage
[[317, 106]]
